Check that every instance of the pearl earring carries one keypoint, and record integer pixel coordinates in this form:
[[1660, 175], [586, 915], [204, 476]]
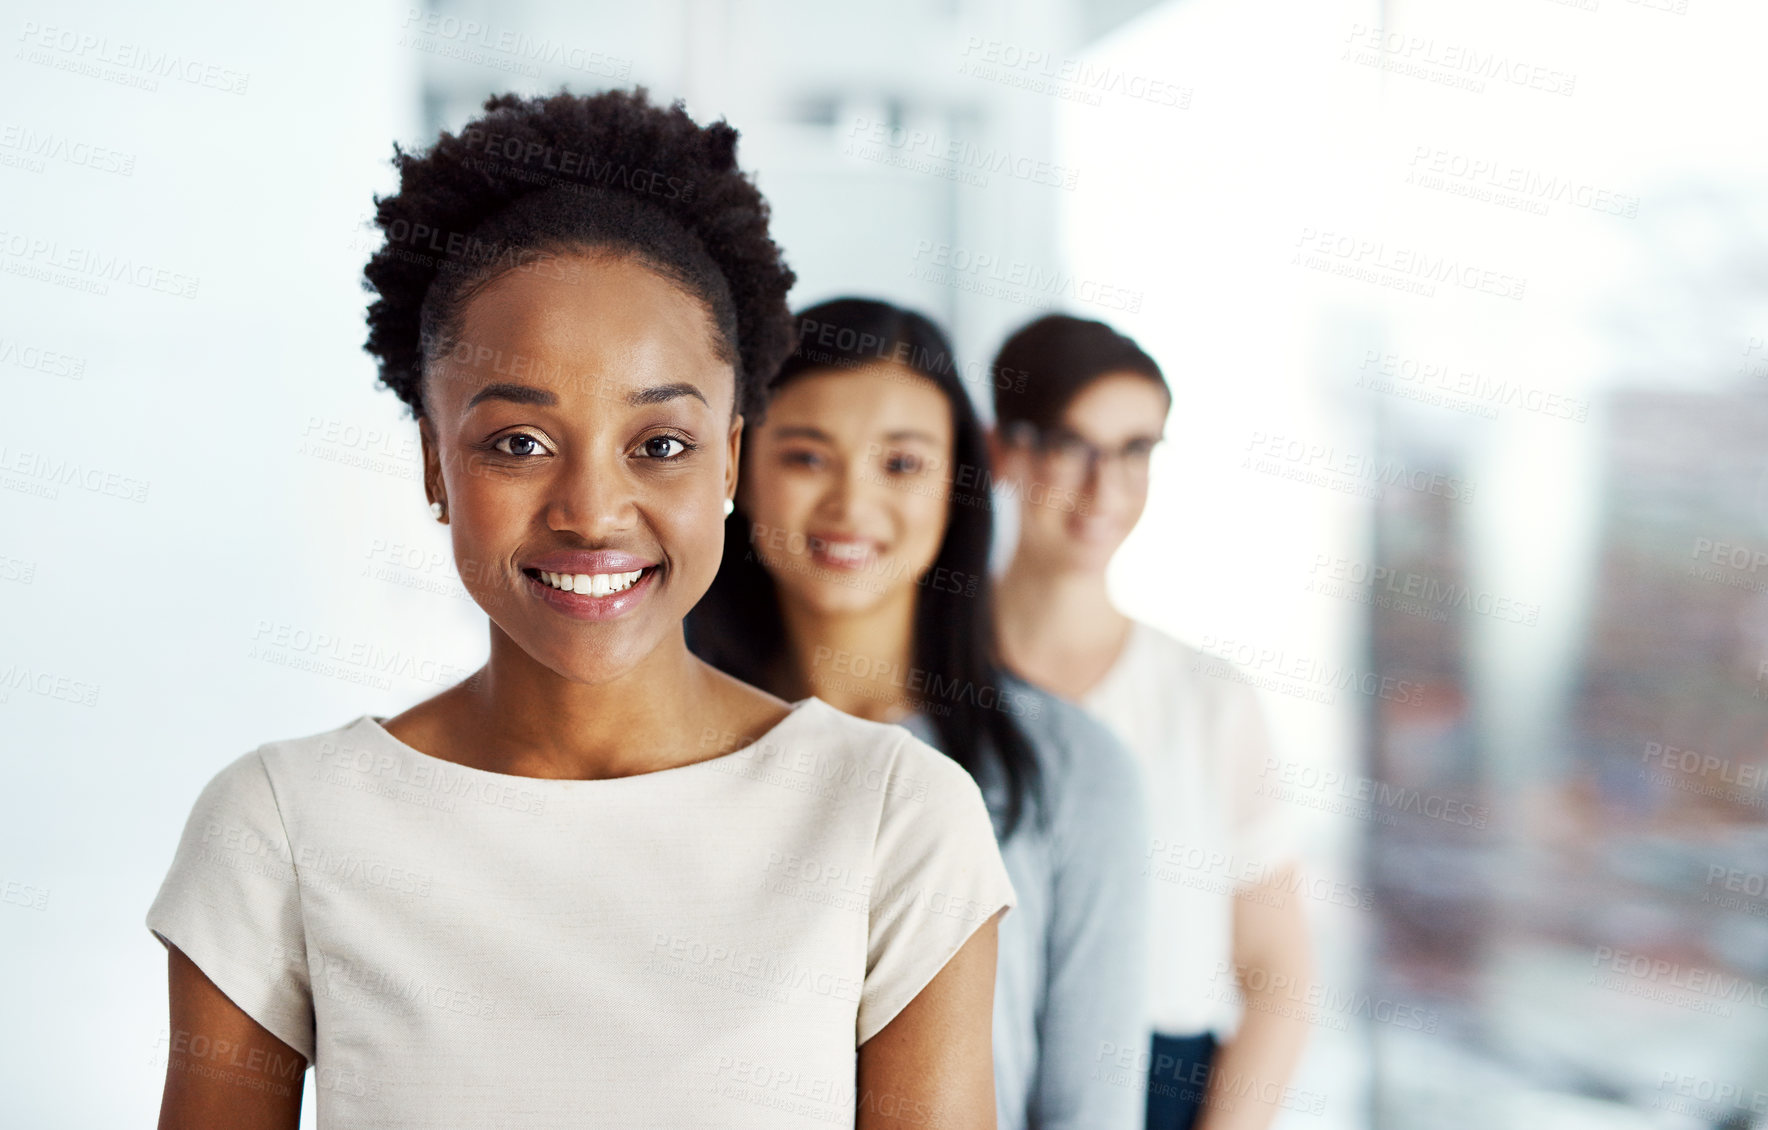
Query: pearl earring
[[436, 511], [730, 507]]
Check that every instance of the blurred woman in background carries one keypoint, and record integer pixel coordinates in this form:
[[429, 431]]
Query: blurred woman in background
[[1075, 431], [855, 570]]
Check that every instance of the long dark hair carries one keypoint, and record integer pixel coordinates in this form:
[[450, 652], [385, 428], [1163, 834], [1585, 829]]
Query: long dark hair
[[737, 626]]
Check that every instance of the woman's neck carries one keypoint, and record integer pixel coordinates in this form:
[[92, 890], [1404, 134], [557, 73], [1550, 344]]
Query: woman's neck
[[516, 716], [1057, 627], [861, 663]]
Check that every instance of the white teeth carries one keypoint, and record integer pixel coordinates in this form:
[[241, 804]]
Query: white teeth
[[592, 584], [845, 551]]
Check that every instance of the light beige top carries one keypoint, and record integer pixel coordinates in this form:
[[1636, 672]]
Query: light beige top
[[698, 946]]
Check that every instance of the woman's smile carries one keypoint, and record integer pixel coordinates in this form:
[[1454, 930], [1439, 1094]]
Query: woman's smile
[[591, 584], [598, 599], [843, 551]]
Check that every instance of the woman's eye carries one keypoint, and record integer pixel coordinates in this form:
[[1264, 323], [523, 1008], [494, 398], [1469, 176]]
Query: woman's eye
[[518, 443], [657, 447], [902, 463], [801, 458]]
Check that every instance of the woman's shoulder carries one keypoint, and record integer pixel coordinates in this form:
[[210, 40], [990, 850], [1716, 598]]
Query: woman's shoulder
[[1070, 743], [253, 796], [355, 736], [1163, 649], [1205, 676], [881, 757], [279, 766]]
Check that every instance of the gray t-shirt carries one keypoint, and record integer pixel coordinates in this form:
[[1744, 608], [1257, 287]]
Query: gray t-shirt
[[1070, 1009]]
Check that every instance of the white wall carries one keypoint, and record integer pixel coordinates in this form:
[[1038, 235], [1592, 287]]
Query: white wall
[[152, 606]]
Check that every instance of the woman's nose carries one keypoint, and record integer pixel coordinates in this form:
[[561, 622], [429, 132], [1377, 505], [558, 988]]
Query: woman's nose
[[593, 495]]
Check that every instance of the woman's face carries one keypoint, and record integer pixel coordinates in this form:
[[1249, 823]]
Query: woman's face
[[582, 436], [1076, 507], [846, 485]]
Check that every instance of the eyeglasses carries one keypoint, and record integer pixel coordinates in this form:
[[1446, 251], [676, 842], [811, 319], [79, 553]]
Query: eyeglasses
[[1069, 459]]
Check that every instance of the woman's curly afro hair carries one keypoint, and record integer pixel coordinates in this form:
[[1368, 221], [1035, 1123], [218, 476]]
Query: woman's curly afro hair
[[534, 177]]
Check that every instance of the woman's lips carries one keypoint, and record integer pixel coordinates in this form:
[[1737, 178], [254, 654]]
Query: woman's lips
[[847, 554], [605, 595]]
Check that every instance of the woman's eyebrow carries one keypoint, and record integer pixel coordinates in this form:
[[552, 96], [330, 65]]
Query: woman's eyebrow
[[800, 431], [519, 394], [528, 394], [657, 394], [911, 433]]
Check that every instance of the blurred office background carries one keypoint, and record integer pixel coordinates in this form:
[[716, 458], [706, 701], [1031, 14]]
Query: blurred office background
[[1466, 309]]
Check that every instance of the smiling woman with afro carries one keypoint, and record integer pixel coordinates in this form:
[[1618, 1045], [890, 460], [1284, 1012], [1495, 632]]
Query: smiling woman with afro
[[590, 885]]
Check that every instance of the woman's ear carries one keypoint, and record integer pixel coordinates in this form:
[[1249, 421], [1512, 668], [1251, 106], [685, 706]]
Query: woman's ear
[[432, 461], [1006, 461], [734, 462]]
